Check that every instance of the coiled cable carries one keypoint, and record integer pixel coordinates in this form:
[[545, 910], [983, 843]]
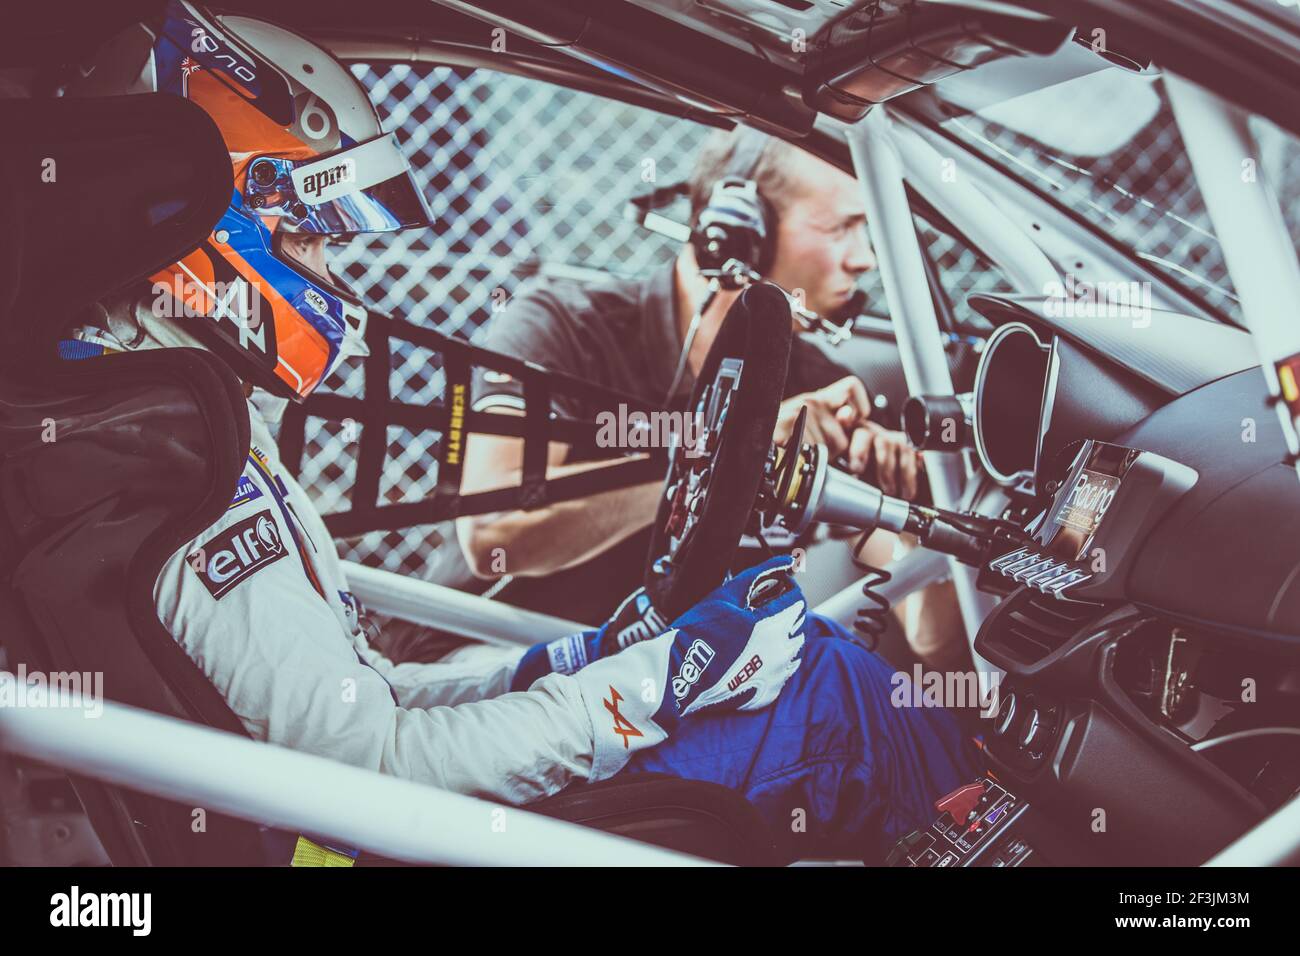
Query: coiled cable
[[872, 619]]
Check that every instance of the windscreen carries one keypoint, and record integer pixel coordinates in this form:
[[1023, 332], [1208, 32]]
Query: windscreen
[[1106, 145]]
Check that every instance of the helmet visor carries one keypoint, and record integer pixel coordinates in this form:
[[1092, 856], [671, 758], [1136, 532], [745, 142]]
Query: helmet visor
[[365, 187]]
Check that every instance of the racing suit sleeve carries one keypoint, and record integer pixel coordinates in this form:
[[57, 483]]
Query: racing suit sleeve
[[474, 672], [286, 666]]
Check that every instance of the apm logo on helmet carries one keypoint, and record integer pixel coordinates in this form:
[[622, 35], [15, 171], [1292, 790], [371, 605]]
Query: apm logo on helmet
[[313, 184], [237, 553]]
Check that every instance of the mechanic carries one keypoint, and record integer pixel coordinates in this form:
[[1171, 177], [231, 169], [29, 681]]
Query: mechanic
[[576, 558], [748, 690]]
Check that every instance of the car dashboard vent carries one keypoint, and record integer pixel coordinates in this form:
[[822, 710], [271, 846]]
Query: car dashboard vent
[[1030, 625]]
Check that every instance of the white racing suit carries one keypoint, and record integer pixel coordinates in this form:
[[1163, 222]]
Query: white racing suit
[[260, 603]]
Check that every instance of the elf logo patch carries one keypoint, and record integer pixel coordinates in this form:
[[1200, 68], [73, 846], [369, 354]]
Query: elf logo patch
[[237, 553]]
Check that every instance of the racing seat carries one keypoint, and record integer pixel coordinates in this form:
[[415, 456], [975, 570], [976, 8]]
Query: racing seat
[[108, 466], [690, 816]]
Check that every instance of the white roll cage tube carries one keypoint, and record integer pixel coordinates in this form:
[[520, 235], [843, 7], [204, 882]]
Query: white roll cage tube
[[1262, 263], [1257, 247], [438, 606], [879, 169], [290, 790], [1024, 265], [1270, 843]]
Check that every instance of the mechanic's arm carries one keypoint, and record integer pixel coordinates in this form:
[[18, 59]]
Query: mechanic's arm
[[551, 538]]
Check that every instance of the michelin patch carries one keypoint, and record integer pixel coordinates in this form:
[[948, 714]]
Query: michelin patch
[[237, 553], [245, 492]]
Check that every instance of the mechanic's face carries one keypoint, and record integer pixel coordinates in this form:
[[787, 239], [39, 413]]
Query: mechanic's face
[[821, 243]]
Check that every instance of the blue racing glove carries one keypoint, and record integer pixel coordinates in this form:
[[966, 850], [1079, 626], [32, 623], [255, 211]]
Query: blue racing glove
[[635, 620], [734, 650]]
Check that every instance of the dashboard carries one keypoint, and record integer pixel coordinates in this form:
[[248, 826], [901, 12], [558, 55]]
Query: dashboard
[[1136, 453], [1046, 382], [1158, 574]]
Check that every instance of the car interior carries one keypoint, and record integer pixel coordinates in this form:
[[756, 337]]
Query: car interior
[[1118, 506]]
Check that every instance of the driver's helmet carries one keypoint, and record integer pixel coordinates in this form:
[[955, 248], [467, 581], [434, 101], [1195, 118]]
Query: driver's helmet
[[309, 156]]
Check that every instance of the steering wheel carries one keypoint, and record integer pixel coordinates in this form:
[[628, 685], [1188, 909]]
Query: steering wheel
[[711, 487]]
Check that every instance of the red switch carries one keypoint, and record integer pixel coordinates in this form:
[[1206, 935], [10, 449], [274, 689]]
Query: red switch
[[961, 801]]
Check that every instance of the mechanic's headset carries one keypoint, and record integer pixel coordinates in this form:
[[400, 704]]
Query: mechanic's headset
[[738, 222]]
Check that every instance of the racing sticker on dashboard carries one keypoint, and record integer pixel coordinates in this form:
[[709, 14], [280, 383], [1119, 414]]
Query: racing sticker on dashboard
[[1088, 500]]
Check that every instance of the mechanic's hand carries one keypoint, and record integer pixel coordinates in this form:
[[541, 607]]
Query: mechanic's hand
[[734, 650], [838, 418], [834, 412], [899, 468], [636, 620]]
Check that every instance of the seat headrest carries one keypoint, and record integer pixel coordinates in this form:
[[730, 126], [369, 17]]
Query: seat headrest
[[96, 194], [11, 245], [56, 33]]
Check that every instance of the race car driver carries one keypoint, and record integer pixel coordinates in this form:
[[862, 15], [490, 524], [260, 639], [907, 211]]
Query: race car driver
[[747, 689]]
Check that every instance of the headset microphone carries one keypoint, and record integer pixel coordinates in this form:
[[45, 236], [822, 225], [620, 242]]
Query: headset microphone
[[644, 211]]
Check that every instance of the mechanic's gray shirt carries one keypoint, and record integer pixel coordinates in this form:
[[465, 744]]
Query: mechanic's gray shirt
[[620, 333]]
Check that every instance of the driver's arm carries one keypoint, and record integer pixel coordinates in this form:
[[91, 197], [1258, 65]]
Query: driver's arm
[[280, 657], [547, 539]]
